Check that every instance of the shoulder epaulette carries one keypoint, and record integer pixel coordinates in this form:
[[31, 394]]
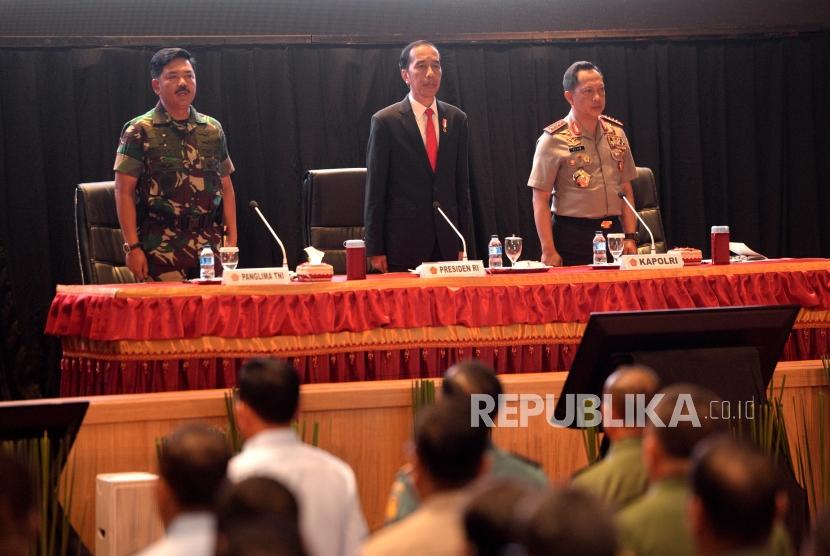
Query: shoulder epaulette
[[611, 120], [556, 126]]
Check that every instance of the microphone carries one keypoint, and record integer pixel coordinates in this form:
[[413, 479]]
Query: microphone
[[254, 205], [621, 195], [437, 206]]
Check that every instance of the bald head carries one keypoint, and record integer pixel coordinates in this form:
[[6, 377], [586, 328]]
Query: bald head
[[629, 381], [469, 377]]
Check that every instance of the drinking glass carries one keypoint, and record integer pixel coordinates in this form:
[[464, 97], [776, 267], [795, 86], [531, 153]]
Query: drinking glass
[[616, 244], [229, 257], [513, 248]]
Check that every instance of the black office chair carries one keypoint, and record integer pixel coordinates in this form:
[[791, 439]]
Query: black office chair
[[648, 206], [333, 211], [98, 235]]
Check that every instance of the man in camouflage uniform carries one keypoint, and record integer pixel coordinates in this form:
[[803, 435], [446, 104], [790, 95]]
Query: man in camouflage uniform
[[460, 382], [172, 177]]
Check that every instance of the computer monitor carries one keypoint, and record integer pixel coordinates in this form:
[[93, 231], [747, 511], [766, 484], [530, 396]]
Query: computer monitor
[[58, 419], [729, 350]]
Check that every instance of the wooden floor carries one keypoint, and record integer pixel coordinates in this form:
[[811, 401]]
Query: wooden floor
[[366, 424]]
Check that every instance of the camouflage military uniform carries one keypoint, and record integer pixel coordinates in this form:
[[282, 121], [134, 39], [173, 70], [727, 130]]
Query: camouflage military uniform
[[179, 166], [403, 500]]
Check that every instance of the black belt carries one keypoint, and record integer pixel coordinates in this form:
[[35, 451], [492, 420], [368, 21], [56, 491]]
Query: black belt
[[187, 222], [586, 221]]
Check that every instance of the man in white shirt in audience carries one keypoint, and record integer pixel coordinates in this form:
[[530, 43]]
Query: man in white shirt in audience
[[331, 520], [192, 469]]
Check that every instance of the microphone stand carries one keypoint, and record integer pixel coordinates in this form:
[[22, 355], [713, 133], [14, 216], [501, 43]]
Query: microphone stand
[[254, 205], [437, 207], [622, 196]]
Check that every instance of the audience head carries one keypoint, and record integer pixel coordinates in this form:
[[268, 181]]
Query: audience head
[[733, 495], [269, 392], [261, 536], [469, 377], [489, 515], [625, 383], [571, 521], [256, 500], [683, 411], [449, 453], [19, 521], [192, 469]]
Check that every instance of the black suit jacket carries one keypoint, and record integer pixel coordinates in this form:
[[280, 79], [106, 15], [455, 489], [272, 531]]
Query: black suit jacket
[[400, 220]]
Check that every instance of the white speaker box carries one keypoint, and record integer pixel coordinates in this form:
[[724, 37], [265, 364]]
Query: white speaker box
[[126, 513]]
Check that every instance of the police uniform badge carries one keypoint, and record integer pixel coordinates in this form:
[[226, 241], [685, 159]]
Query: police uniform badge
[[582, 178]]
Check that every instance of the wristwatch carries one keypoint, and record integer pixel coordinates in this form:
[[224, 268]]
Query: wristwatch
[[633, 235], [130, 246]]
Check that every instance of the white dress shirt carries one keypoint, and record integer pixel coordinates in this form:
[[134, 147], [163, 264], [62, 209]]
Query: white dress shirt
[[331, 520], [418, 109], [189, 534]]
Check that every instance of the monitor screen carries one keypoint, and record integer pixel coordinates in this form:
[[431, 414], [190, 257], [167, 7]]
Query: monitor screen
[[729, 350]]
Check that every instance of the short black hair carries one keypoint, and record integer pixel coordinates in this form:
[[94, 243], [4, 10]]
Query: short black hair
[[679, 441], [574, 522], [193, 463], [571, 78], [469, 377], [271, 388], [736, 485], [255, 497], [403, 62], [167, 55], [261, 536], [447, 446], [488, 516]]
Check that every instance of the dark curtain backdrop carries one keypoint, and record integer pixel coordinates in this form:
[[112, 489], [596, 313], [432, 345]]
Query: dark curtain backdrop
[[735, 131]]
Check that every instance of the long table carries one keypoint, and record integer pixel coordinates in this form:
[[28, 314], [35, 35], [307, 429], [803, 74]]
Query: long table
[[150, 337]]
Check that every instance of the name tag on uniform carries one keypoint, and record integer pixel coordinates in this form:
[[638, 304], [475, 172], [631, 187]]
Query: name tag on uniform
[[576, 149]]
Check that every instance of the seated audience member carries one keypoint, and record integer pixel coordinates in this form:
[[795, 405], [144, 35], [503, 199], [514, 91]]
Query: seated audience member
[[489, 522], [449, 455], [621, 477], [19, 520], [331, 520], [251, 504], [192, 470], [732, 508], [460, 382], [573, 522], [655, 524]]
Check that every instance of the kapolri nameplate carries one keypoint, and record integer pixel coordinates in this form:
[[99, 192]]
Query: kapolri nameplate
[[452, 268], [255, 276], [647, 262]]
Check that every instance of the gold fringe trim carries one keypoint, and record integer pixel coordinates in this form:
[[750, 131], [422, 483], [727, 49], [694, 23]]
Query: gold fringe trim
[[340, 342]]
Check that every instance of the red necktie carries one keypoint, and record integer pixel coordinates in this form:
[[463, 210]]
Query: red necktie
[[432, 142]]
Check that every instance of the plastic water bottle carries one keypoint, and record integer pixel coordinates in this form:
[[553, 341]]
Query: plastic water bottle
[[600, 255], [206, 269], [494, 249]]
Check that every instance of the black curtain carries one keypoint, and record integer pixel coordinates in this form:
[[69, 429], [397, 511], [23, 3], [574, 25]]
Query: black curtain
[[734, 129]]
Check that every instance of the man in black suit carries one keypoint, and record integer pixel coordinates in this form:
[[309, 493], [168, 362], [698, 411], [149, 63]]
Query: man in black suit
[[417, 155]]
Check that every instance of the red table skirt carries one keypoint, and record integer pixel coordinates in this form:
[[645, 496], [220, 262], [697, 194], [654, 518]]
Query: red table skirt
[[159, 337]]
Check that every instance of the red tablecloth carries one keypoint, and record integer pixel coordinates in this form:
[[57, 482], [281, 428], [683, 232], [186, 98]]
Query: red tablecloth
[[168, 336]]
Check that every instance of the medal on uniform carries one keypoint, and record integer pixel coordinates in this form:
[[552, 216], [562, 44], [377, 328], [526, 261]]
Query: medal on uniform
[[582, 178]]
